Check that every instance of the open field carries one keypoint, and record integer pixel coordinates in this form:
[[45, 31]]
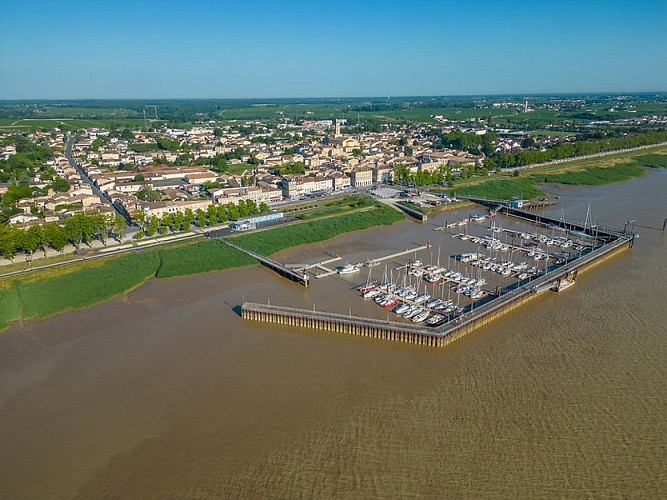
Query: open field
[[652, 160], [336, 206], [502, 189], [203, 257], [67, 123], [593, 176], [87, 286], [408, 108], [10, 306]]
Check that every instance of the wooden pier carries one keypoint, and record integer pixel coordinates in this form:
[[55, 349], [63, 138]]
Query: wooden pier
[[603, 233], [288, 272], [326, 271]]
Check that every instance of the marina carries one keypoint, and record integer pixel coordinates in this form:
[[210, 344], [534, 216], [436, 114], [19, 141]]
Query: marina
[[435, 305]]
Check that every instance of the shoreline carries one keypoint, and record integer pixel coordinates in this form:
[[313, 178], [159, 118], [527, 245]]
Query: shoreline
[[187, 259]]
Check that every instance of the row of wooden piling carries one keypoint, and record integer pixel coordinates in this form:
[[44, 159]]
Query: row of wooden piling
[[336, 323]]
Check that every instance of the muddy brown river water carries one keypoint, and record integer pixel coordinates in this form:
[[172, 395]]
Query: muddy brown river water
[[169, 394]]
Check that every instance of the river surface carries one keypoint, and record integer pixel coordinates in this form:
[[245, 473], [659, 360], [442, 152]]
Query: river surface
[[167, 393]]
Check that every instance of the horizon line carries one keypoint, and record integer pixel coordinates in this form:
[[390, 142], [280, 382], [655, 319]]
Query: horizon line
[[388, 97]]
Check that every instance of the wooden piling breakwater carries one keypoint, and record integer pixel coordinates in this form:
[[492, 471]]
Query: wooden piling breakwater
[[332, 322]]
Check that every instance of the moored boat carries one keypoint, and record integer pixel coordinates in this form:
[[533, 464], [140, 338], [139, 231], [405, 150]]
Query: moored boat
[[347, 269]]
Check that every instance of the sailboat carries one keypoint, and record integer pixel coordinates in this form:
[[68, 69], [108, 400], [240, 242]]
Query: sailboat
[[370, 285], [583, 233]]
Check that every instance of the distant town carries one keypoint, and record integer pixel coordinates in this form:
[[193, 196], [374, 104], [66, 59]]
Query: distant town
[[160, 178]]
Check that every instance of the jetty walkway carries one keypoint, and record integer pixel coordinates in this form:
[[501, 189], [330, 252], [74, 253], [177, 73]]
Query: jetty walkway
[[604, 233], [297, 275]]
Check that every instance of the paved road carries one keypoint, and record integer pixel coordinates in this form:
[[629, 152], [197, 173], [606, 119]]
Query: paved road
[[84, 175]]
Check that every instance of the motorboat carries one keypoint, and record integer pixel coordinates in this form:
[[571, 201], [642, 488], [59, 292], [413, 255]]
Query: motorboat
[[347, 269]]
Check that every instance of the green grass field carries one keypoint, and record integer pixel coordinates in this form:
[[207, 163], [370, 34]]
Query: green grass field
[[202, 257], [67, 123], [594, 176], [10, 306], [239, 169], [86, 286], [335, 206], [502, 189], [652, 160]]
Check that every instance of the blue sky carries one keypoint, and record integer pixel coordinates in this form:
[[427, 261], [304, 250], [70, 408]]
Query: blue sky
[[292, 48]]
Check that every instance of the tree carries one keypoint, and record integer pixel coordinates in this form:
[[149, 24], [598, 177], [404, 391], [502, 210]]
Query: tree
[[263, 208], [233, 211], [153, 225], [490, 163], [139, 216], [243, 209], [252, 207], [74, 230], [61, 185], [8, 242], [148, 194], [188, 219], [126, 134], [55, 236], [178, 221], [118, 224], [139, 178], [29, 240], [221, 212], [201, 218], [528, 142], [166, 222], [212, 215]]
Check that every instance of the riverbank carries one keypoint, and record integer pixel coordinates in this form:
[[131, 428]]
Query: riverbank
[[52, 291], [524, 182]]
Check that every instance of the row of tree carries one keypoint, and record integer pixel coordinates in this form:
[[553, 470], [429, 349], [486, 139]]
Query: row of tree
[[402, 174], [183, 221], [569, 150], [78, 229], [473, 143]]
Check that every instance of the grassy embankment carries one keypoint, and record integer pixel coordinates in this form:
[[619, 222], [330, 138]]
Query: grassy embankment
[[52, 291], [590, 172]]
